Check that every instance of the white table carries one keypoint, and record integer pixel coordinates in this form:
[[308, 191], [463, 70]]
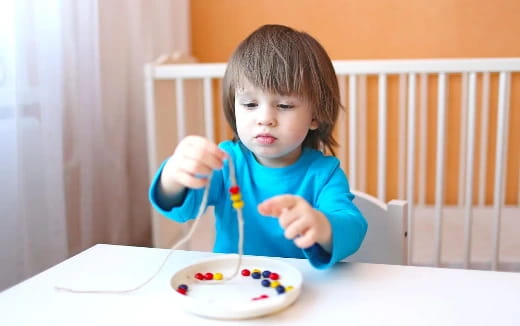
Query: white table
[[348, 294]]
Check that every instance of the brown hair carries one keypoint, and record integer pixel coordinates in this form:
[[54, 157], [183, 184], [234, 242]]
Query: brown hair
[[283, 61]]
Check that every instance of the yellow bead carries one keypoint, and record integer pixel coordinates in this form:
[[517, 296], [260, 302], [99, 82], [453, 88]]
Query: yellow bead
[[238, 204], [236, 197], [256, 270], [289, 288], [217, 276], [274, 284]]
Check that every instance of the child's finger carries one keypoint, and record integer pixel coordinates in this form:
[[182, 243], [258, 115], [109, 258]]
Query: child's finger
[[306, 241], [217, 152], [195, 168], [214, 157], [191, 181], [203, 150], [209, 157], [287, 217], [297, 228], [274, 206]]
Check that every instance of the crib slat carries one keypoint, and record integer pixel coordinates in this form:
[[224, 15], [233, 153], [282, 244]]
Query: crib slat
[[423, 128], [208, 109], [410, 166], [181, 128], [150, 120], [381, 143], [484, 131], [440, 164], [401, 144], [179, 104], [499, 166], [223, 127], [342, 128], [468, 202], [362, 132], [352, 109], [462, 137], [506, 138], [151, 137]]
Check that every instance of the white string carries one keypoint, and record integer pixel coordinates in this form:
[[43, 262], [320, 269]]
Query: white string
[[202, 208], [240, 221]]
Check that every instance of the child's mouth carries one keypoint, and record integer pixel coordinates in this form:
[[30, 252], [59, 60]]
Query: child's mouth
[[265, 139]]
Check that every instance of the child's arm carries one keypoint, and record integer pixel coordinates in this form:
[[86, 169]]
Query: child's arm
[[332, 221], [194, 158]]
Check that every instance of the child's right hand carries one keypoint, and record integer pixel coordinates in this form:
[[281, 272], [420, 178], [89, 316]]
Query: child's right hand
[[192, 161]]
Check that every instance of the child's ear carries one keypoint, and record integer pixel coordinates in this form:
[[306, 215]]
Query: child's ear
[[314, 124]]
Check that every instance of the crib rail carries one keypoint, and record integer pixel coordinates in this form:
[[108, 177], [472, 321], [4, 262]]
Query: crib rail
[[415, 91]]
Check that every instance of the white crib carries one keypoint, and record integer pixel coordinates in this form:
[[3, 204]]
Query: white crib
[[411, 107]]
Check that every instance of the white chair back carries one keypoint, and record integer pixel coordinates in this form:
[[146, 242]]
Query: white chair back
[[386, 239]]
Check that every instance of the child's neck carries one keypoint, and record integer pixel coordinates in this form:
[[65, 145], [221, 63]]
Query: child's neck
[[280, 162]]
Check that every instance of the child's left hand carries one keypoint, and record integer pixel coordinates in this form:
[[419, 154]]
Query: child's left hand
[[300, 220]]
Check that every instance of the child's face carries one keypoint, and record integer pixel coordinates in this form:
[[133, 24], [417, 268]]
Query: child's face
[[272, 126]]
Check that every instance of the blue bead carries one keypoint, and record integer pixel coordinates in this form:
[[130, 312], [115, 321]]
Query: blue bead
[[183, 286], [256, 275], [280, 289], [266, 274], [266, 283]]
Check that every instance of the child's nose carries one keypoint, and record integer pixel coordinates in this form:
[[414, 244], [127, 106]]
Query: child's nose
[[266, 116]]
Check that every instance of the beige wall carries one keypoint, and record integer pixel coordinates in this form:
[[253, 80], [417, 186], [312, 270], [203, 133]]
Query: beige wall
[[382, 30]]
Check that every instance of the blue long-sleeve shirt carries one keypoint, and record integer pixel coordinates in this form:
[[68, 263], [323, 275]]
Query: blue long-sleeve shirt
[[315, 177]]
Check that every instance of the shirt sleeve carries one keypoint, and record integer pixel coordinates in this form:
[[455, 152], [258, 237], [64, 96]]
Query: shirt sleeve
[[347, 223], [189, 208]]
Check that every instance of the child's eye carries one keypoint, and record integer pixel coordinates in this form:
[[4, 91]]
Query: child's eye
[[285, 106], [249, 105]]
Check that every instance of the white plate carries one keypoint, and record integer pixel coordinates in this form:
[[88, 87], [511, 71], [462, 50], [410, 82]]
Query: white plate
[[233, 299]]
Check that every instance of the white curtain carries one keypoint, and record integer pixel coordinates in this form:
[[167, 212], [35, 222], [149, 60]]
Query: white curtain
[[73, 171]]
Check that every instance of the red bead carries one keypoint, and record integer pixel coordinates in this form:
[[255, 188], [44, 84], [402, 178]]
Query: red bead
[[181, 291], [208, 276], [234, 190], [199, 276], [274, 276], [245, 272]]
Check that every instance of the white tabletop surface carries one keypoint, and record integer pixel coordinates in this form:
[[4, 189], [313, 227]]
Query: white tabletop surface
[[348, 294]]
